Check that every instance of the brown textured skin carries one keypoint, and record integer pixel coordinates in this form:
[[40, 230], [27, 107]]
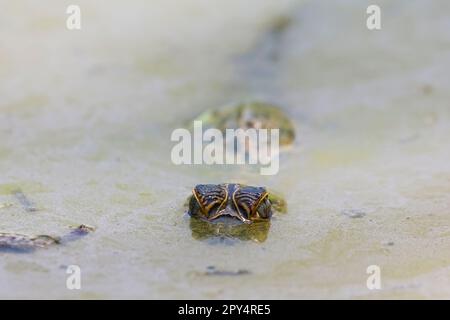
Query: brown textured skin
[[246, 203]]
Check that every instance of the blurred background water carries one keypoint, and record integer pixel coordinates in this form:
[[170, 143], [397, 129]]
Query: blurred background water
[[85, 124]]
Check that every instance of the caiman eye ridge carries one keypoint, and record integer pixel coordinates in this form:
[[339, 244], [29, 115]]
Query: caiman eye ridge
[[245, 203], [209, 197]]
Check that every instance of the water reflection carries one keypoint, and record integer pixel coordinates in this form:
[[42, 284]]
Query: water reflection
[[229, 231]]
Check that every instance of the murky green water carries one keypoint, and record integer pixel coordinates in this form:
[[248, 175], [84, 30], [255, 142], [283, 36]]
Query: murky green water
[[85, 124]]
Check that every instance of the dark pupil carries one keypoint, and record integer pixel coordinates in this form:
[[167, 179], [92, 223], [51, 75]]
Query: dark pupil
[[263, 209], [213, 209], [212, 203], [246, 200]]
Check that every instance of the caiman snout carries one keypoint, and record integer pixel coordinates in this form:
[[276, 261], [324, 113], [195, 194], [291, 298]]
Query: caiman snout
[[229, 212]]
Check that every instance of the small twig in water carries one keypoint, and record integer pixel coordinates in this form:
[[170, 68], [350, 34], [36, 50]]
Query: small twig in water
[[26, 203], [5, 205]]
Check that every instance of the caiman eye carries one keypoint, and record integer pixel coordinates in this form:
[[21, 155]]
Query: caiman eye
[[264, 209], [252, 202], [194, 208], [207, 199]]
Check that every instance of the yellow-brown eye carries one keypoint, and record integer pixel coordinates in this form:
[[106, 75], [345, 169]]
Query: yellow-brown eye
[[264, 209], [207, 199], [252, 202]]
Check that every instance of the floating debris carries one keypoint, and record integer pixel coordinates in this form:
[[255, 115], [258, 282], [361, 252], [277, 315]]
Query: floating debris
[[26, 203], [212, 271], [24, 243], [82, 229], [353, 213], [16, 242], [5, 205], [77, 232]]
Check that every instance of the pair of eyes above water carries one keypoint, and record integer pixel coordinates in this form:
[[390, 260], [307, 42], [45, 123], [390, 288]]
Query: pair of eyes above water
[[259, 208]]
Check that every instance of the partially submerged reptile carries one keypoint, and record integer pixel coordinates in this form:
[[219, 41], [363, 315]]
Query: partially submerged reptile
[[232, 210], [227, 231], [247, 115], [16, 242], [245, 203]]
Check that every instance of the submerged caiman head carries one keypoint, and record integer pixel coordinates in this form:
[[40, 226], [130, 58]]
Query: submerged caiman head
[[246, 203]]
